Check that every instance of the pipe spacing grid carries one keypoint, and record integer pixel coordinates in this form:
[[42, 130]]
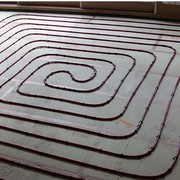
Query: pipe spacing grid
[[100, 84]]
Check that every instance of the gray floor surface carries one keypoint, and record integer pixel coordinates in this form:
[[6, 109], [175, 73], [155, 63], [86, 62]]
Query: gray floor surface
[[75, 67]]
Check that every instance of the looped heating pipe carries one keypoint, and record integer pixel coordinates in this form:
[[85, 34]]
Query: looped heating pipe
[[44, 26]]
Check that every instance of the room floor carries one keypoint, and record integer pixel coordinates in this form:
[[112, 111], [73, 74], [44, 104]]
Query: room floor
[[88, 97]]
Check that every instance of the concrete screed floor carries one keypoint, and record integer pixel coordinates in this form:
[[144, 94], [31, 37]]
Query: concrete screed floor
[[88, 97]]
